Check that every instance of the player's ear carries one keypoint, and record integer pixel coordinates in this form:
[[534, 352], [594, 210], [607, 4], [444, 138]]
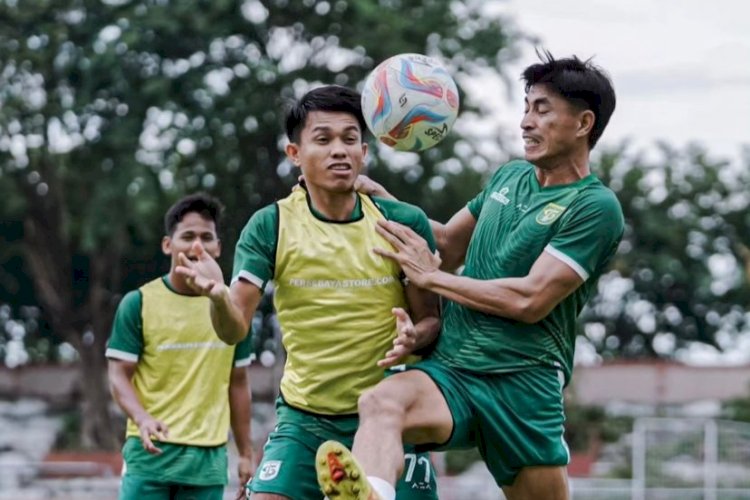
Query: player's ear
[[586, 122], [292, 152], [166, 245], [218, 249], [364, 150]]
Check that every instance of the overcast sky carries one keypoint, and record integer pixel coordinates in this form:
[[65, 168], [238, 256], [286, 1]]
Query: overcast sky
[[681, 68]]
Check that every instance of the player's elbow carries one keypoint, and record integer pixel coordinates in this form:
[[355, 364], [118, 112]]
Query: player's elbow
[[530, 310]]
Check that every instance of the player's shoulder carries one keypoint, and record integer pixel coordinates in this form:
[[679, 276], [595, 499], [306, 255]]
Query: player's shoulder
[[399, 211], [600, 194], [132, 300], [263, 217], [512, 169]]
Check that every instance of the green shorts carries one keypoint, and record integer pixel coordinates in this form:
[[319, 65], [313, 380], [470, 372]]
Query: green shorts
[[288, 464], [139, 488], [515, 419], [180, 472]]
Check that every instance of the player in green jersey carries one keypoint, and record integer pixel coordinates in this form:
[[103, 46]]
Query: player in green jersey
[[342, 309], [180, 386], [533, 244]]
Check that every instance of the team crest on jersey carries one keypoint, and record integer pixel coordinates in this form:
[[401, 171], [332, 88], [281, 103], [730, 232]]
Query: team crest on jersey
[[269, 470], [549, 214]]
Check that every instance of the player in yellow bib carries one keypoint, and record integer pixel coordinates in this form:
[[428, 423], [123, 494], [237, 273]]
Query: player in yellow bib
[[179, 385], [345, 312]]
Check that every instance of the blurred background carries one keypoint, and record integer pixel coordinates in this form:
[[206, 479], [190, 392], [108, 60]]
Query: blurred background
[[110, 110]]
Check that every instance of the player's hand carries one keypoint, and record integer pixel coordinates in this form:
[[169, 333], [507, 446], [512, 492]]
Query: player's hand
[[245, 470], [202, 273], [150, 428], [365, 185], [412, 253], [405, 341]]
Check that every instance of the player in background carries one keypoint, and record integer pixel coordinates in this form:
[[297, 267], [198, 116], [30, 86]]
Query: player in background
[[179, 385], [533, 244], [342, 309]]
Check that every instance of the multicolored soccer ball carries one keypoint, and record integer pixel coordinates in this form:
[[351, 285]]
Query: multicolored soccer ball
[[410, 102]]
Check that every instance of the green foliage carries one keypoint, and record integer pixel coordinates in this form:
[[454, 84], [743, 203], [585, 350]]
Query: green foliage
[[587, 427], [111, 110], [737, 408], [680, 273]]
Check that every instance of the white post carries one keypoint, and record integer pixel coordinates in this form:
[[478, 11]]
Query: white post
[[710, 459], [638, 485]]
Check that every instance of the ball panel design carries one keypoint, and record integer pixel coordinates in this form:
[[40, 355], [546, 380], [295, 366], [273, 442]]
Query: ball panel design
[[410, 102]]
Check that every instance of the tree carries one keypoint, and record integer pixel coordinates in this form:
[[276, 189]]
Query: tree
[[680, 273], [110, 110]]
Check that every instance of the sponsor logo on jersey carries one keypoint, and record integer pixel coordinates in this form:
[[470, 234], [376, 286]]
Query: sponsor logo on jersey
[[269, 470], [500, 196], [549, 214]]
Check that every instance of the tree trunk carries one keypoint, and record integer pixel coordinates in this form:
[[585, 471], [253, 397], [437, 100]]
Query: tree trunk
[[83, 324], [97, 427]]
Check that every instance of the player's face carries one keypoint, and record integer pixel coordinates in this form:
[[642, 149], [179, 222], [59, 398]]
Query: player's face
[[330, 151], [551, 127], [193, 227]]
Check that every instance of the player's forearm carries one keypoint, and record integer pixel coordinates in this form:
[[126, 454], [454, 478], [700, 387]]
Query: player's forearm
[[124, 394], [240, 408], [227, 319], [452, 253], [427, 330], [511, 298]]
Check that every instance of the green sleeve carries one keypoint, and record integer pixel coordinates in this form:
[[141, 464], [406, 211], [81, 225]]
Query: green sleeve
[[590, 232], [126, 340], [475, 205], [255, 253], [243, 352], [408, 215]]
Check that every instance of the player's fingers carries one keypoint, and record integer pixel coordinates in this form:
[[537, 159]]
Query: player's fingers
[[162, 428], [185, 271], [148, 445], [400, 231], [389, 236], [400, 313], [198, 250], [184, 261], [386, 253]]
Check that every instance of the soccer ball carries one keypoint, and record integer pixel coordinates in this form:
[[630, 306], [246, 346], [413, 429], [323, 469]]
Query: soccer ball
[[410, 102]]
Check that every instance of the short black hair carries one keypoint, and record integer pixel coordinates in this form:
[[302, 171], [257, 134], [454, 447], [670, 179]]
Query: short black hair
[[581, 83], [207, 206], [333, 98]]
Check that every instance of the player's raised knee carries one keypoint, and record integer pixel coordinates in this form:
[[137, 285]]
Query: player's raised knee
[[380, 402]]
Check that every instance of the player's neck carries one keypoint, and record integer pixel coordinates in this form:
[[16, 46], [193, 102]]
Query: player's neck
[[333, 206], [559, 171], [178, 284]]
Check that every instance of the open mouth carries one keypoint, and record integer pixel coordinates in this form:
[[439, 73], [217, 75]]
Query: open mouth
[[340, 167]]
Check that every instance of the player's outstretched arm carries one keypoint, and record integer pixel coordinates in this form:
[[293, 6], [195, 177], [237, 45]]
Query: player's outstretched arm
[[120, 374], [231, 308], [527, 299]]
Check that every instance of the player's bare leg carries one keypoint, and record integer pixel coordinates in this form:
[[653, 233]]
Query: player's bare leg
[[539, 483], [408, 404]]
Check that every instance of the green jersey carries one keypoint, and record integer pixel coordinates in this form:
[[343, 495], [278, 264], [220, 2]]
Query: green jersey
[[580, 224]]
